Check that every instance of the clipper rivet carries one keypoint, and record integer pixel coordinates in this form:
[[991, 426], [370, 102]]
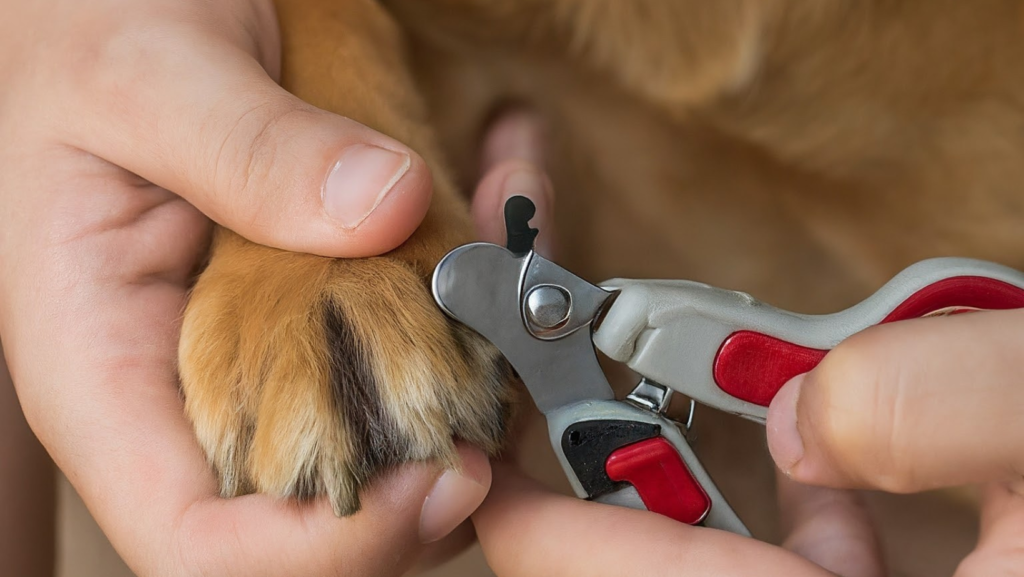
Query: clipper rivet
[[548, 306]]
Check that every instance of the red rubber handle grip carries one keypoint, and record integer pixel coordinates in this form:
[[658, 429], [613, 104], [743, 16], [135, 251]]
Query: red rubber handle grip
[[662, 480], [752, 366]]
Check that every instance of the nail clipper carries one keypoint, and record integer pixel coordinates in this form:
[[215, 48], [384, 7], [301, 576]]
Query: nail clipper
[[718, 347]]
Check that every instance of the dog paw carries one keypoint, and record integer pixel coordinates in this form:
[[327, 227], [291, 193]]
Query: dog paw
[[306, 376]]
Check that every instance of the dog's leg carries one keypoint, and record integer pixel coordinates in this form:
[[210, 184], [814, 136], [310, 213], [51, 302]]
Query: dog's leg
[[305, 375]]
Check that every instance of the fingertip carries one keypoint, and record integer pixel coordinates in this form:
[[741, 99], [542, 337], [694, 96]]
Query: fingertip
[[455, 495], [360, 180], [516, 133], [324, 184], [392, 219], [784, 441], [819, 428]]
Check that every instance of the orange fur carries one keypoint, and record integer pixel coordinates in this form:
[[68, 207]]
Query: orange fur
[[305, 375], [800, 151]]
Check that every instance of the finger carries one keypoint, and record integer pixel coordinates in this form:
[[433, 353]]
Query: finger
[[512, 149], [515, 134], [27, 490], [830, 527], [909, 406], [505, 180], [399, 513], [101, 393], [525, 530], [999, 549], [248, 154]]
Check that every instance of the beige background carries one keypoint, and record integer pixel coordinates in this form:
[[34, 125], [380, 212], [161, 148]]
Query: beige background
[[83, 551]]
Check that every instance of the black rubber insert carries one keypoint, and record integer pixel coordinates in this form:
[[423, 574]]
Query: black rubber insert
[[518, 212], [587, 445]]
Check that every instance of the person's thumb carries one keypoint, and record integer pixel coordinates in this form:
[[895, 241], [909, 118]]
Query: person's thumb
[[908, 406], [203, 119]]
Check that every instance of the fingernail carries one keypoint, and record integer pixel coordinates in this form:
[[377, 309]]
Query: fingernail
[[360, 180], [533, 185], [784, 442], [453, 498]]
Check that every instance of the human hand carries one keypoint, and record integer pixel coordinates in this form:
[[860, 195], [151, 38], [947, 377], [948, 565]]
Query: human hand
[[107, 107], [527, 530], [904, 407], [183, 95], [918, 405]]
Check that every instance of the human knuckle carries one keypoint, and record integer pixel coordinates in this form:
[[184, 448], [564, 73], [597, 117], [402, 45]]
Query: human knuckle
[[249, 151]]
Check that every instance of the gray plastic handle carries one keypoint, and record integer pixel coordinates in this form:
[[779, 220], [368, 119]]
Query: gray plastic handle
[[719, 516], [672, 331]]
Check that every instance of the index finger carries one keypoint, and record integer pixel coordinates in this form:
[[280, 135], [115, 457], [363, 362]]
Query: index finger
[[528, 531]]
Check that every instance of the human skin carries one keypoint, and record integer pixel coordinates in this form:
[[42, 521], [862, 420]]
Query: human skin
[[113, 172], [527, 530], [106, 212], [889, 409], [27, 491]]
